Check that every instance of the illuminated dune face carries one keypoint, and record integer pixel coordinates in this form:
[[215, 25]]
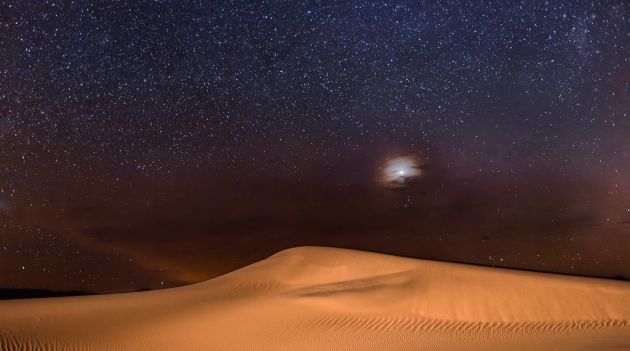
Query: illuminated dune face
[[333, 299]]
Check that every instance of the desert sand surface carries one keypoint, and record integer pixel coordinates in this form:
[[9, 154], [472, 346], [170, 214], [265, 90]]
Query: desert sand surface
[[316, 298]]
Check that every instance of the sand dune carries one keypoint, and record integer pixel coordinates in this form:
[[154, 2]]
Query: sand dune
[[314, 298]]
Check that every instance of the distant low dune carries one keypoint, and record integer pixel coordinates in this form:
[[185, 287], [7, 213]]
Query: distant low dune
[[314, 298]]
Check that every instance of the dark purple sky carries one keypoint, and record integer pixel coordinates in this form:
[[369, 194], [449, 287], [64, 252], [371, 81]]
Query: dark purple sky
[[154, 143]]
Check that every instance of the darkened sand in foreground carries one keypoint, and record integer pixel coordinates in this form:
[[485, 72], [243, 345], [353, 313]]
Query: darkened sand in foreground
[[314, 298]]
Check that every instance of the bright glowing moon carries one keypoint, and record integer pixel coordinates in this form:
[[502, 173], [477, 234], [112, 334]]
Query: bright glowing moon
[[399, 171]]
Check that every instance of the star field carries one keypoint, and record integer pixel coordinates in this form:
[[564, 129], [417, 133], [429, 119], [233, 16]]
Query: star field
[[148, 143]]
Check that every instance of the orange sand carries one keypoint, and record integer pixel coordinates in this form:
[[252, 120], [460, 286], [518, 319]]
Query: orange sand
[[314, 298]]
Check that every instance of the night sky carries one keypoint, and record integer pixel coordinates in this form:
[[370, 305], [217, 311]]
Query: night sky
[[148, 144]]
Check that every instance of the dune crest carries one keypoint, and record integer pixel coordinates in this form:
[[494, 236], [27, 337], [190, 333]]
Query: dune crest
[[314, 298]]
